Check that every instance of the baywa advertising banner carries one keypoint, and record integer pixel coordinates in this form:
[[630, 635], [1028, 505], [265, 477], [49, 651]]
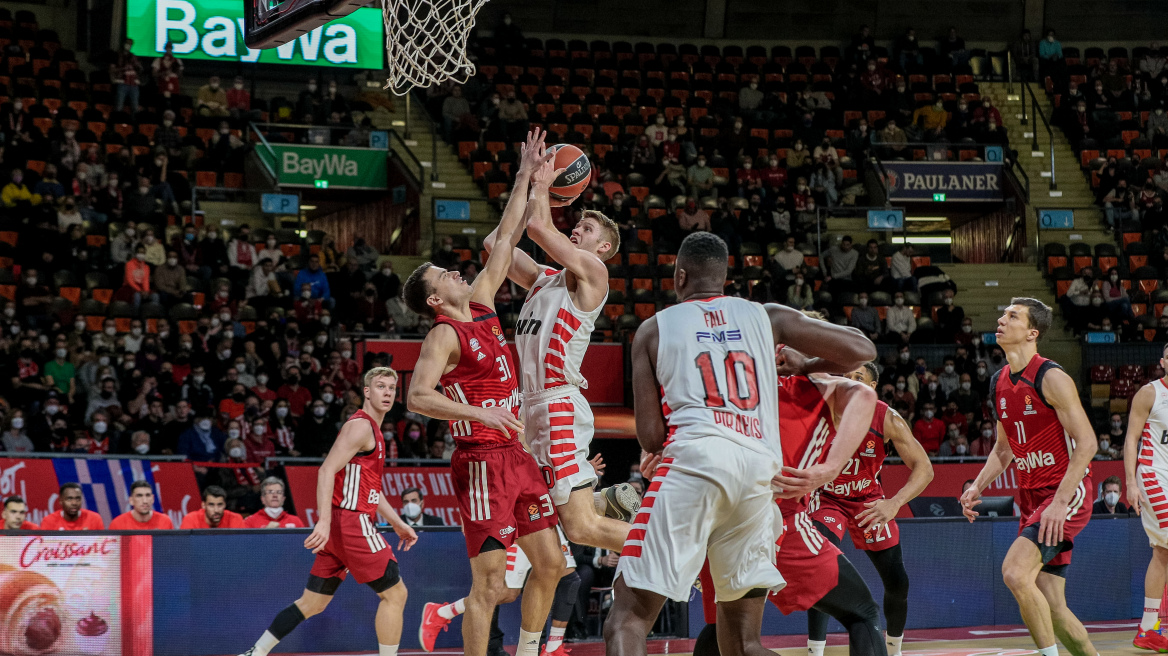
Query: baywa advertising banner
[[949, 181], [328, 167], [213, 30]]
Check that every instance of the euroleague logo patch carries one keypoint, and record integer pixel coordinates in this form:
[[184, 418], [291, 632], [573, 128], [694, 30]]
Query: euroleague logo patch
[[533, 512], [869, 449], [499, 335], [1029, 407]]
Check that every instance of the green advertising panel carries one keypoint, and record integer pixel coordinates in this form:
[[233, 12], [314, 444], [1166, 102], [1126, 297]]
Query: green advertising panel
[[213, 30], [325, 167]]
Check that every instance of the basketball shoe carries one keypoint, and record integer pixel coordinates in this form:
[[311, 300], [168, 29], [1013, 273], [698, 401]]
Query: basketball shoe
[[558, 651], [432, 625], [620, 502], [1151, 640]]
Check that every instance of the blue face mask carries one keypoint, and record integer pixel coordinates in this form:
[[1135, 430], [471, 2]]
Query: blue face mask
[[189, 237]]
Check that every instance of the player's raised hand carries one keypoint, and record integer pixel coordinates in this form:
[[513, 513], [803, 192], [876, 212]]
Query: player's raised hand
[[1133, 495], [1050, 526], [500, 419], [318, 538], [597, 462], [877, 514], [649, 464], [793, 483], [532, 152], [407, 535], [969, 499], [544, 176]]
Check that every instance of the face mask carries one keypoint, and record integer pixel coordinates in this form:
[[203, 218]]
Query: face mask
[[79, 325], [1096, 302], [274, 512], [262, 379], [204, 424], [233, 433], [412, 510], [258, 429], [61, 353], [701, 162], [981, 371], [198, 380], [948, 368], [346, 354], [967, 329], [1111, 498], [1104, 445], [281, 412], [186, 346], [189, 237], [975, 341], [1116, 424], [142, 449], [798, 281], [904, 357], [32, 281], [225, 318], [236, 452], [103, 361], [962, 449], [900, 386], [920, 369], [319, 411], [326, 320], [988, 432], [928, 414], [51, 410], [306, 295], [327, 397], [967, 386], [948, 301], [18, 422], [99, 427]]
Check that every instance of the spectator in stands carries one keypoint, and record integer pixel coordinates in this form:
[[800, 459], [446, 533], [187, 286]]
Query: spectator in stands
[[907, 51], [214, 513], [107, 398], [15, 511], [871, 271], [60, 372], [955, 443], [1050, 57], [1109, 502], [789, 257], [701, 179], [297, 396], [273, 515], [953, 47], [49, 188], [125, 72], [363, 254], [16, 194], [1117, 429], [1115, 84], [929, 390], [263, 284], [1025, 52], [1157, 127], [211, 99], [948, 379], [1107, 450], [983, 444], [1119, 204], [929, 430], [513, 116], [949, 319], [316, 280], [839, 262], [892, 140], [72, 516], [865, 318], [750, 100], [901, 268], [15, 439], [203, 441], [799, 293], [170, 279], [137, 277], [141, 516], [414, 509], [692, 218], [455, 110], [1115, 297], [899, 321], [932, 119]]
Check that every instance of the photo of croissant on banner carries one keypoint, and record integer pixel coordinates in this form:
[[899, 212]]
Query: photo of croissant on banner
[[60, 595]]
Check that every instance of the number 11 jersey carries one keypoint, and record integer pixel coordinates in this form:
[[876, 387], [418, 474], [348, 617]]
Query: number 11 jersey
[[716, 366]]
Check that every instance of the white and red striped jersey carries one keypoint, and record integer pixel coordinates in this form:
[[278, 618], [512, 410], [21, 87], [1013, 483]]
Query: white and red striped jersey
[[1154, 440], [552, 334], [716, 365], [357, 487]]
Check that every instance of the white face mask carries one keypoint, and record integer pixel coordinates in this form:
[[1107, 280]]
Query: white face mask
[[966, 386], [962, 449], [136, 332], [51, 410], [326, 320], [233, 433], [262, 379], [18, 422], [988, 432], [99, 427], [327, 397], [111, 331], [281, 412], [346, 354], [236, 452], [412, 510], [142, 449], [79, 325], [1111, 498], [1104, 445], [928, 414], [61, 353], [205, 424], [172, 261], [274, 512], [948, 368], [258, 429], [103, 361], [319, 411]]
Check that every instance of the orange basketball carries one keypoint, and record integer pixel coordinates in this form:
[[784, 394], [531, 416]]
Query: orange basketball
[[577, 172]]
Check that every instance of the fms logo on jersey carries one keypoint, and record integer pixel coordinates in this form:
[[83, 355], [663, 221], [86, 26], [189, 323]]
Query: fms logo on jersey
[[1029, 407]]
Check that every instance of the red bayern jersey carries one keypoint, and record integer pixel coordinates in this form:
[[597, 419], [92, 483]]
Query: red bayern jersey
[[1042, 447], [127, 522], [283, 520], [483, 377], [805, 427], [87, 520], [859, 478], [357, 487]]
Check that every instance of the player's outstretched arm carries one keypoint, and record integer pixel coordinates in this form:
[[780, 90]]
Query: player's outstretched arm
[[834, 349], [852, 405], [646, 389], [354, 435], [590, 271], [1137, 418], [921, 472], [440, 350], [996, 463], [510, 228], [405, 532], [524, 270]]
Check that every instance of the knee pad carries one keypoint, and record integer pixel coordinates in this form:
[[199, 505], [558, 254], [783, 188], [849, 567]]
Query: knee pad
[[387, 580], [565, 598]]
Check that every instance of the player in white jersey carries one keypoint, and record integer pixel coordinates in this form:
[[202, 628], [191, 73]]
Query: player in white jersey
[[703, 395], [551, 337], [1145, 462]]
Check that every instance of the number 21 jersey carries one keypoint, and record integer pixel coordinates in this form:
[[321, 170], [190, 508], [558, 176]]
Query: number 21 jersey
[[716, 366]]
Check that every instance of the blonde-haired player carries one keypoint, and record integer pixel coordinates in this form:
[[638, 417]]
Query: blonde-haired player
[[1145, 462]]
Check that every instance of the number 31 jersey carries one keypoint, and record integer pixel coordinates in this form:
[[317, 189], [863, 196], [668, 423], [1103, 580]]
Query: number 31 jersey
[[716, 366]]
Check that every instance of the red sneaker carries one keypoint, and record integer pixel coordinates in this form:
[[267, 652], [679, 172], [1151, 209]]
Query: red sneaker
[[1151, 640], [433, 624], [559, 651]]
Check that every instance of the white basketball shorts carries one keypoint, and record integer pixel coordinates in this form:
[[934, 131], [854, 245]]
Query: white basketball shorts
[[1154, 504], [559, 432]]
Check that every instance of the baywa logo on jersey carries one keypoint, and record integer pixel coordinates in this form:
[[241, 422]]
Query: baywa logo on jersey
[[1029, 407], [533, 512], [474, 344], [1033, 460], [869, 448]]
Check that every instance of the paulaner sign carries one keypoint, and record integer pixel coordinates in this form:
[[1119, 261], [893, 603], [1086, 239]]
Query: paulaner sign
[[959, 181]]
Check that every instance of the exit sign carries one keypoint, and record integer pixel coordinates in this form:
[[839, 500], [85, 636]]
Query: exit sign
[[938, 198], [323, 184]]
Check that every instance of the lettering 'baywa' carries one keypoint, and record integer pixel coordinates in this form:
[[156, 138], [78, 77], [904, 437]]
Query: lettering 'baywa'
[[325, 165], [178, 21]]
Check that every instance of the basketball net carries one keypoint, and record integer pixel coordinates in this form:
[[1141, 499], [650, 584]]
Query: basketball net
[[425, 41]]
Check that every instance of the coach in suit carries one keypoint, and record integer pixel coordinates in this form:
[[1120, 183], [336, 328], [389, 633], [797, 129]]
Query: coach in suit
[[414, 509]]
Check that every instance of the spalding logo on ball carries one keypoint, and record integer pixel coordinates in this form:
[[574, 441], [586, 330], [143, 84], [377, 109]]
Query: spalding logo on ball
[[575, 177]]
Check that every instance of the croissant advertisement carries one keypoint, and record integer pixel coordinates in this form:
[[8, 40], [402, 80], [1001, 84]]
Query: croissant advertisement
[[65, 595]]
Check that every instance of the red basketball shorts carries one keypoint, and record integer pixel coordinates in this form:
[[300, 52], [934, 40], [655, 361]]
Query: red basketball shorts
[[839, 514], [501, 494], [1034, 502], [809, 563], [355, 545]]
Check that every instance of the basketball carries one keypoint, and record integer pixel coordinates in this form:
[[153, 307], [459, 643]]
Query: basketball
[[577, 172]]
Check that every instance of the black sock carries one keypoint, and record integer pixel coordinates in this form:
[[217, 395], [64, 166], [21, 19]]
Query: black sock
[[285, 621]]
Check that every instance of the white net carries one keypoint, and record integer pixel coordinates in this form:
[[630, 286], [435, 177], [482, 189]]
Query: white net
[[425, 41]]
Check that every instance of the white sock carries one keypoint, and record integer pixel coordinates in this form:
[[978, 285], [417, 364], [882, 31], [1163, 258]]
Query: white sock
[[265, 644], [893, 643], [1049, 651], [386, 650], [815, 647], [451, 611], [1151, 614], [528, 643], [555, 637]]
